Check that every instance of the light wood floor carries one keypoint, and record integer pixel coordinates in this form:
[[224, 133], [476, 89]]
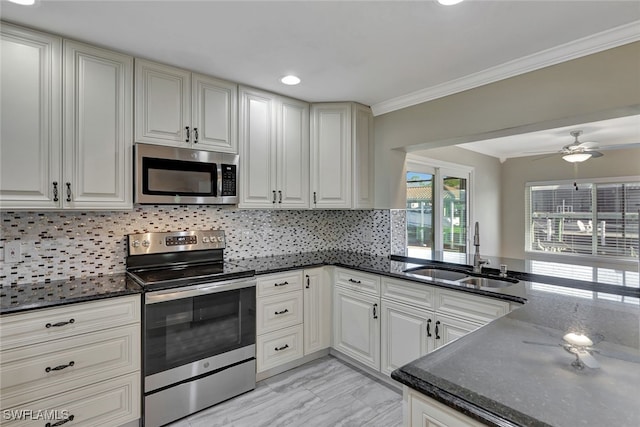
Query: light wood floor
[[322, 393]]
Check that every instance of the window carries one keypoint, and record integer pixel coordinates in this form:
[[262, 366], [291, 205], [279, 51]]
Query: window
[[597, 218], [437, 210]]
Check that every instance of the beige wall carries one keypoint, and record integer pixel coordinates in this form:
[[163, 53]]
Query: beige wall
[[598, 86], [518, 171], [486, 203]]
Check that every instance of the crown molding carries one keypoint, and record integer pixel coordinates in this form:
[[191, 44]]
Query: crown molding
[[595, 43]]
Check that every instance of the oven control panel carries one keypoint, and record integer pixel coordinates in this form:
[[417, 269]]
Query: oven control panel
[[175, 241]]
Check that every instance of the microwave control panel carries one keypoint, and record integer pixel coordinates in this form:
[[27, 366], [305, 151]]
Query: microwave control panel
[[228, 180]]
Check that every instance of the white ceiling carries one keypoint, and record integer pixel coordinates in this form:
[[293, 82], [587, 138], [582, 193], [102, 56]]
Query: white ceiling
[[604, 133], [387, 54]]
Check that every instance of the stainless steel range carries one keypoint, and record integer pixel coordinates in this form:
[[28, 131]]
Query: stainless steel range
[[199, 322]]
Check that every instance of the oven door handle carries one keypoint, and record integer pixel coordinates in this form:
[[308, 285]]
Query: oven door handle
[[197, 290]]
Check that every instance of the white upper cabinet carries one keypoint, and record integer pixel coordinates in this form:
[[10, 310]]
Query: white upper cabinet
[[341, 156], [214, 114], [331, 155], [177, 108], [30, 140], [66, 124], [362, 157], [274, 151], [98, 132]]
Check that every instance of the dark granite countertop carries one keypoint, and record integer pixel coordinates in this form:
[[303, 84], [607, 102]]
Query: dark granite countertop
[[18, 298]]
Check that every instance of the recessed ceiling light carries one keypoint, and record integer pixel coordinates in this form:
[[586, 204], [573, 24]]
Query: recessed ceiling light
[[449, 2], [290, 80], [23, 2]]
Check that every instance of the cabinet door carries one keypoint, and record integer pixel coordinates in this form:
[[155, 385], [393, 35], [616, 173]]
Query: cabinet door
[[362, 140], [98, 101], [317, 310], [214, 114], [331, 155], [448, 329], [30, 162], [407, 334], [162, 104], [257, 149], [293, 154], [356, 326]]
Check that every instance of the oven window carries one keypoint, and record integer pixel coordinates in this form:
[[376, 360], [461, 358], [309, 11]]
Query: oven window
[[182, 331], [177, 177]]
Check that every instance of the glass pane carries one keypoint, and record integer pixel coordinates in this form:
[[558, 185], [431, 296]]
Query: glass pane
[[561, 218], [454, 215], [617, 219], [419, 214]]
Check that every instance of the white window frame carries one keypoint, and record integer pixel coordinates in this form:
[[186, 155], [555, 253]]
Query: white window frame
[[440, 168]]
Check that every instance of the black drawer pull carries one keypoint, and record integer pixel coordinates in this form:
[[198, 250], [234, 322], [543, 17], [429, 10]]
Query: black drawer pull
[[68, 184], [284, 347], [308, 281], [59, 423], [56, 325], [281, 284], [375, 311], [286, 310], [55, 191], [437, 332], [355, 281], [428, 327], [59, 367]]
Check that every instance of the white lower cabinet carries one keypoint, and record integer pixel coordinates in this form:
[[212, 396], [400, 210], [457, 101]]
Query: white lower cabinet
[[109, 403], [426, 412], [293, 317], [406, 335], [317, 310], [78, 362], [356, 325], [279, 347]]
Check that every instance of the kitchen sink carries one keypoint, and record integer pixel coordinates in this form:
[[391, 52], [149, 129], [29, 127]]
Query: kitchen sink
[[484, 282], [436, 273]]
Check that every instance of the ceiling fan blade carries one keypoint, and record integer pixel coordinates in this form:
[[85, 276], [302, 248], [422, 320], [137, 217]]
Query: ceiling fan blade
[[617, 146], [545, 157], [594, 153]]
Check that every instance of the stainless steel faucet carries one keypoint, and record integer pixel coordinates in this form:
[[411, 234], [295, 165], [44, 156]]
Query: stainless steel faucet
[[478, 261]]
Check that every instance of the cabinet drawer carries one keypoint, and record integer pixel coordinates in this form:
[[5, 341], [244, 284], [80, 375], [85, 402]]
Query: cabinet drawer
[[279, 311], [403, 291], [470, 307], [30, 373], [109, 403], [274, 284], [279, 347], [357, 281], [60, 322]]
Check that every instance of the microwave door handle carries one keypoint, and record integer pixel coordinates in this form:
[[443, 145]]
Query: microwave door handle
[[219, 180]]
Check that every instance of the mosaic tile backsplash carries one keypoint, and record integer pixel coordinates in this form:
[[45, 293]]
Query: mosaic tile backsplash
[[63, 245]]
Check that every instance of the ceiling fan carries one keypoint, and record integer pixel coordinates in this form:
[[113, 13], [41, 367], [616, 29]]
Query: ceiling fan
[[579, 151]]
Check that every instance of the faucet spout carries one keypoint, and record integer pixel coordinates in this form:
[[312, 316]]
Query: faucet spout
[[478, 261]]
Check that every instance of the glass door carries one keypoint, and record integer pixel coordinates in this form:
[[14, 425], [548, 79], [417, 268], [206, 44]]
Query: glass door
[[437, 212]]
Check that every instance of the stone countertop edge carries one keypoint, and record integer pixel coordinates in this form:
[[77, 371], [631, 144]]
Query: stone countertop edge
[[482, 414], [64, 292]]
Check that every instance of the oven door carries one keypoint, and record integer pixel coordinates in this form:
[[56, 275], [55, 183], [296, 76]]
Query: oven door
[[197, 330]]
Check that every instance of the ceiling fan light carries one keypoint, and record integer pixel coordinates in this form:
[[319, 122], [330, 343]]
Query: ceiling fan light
[[576, 157]]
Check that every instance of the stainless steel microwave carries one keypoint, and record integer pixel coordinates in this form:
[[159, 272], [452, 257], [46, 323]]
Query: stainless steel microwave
[[182, 176]]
